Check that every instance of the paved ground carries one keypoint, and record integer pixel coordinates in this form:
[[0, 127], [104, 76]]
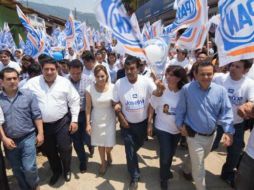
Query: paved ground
[[117, 177]]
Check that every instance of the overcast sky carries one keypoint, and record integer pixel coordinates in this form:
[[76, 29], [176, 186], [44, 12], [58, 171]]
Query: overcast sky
[[80, 5]]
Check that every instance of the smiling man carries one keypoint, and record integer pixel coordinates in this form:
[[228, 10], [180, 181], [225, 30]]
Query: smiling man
[[202, 105], [56, 96]]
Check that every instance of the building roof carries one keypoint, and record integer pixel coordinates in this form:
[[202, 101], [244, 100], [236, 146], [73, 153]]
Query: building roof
[[49, 19]]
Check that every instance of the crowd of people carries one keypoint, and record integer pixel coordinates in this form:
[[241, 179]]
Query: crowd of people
[[55, 101]]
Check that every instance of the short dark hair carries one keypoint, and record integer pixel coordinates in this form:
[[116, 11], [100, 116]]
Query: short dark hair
[[28, 59], [202, 52], [204, 63], [6, 52], [64, 61], [179, 72], [131, 59], [76, 64], [45, 59], [247, 63], [8, 70], [34, 69], [87, 56]]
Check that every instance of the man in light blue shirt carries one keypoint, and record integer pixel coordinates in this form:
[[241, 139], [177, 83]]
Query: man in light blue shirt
[[202, 105], [22, 115]]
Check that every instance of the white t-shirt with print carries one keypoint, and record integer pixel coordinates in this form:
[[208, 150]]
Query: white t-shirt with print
[[134, 98], [239, 92], [165, 107]]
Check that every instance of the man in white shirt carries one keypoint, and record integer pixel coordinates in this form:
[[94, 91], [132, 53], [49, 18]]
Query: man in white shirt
[[240, 90], [57, 97], [181, 59], [5, 61], [131, 99], [90, 63], [71, 55]]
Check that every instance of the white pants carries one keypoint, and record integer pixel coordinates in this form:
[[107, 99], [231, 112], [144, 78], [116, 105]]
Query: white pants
[[199, 147]]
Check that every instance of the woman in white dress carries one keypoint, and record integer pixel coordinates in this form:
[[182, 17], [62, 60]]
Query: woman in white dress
[[100, 116]]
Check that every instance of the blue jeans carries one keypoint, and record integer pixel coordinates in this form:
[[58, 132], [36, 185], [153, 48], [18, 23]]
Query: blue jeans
[[23, 162], [133, 138], [234, 153], [78, 138], [168, 143]]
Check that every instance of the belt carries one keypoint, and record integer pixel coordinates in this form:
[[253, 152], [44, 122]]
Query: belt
[[206, 135], [191, 132], [54, 122]]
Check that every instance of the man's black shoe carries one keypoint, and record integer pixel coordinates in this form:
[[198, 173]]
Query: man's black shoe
[[67, 176], [133, 185], [187, 176], [82, 167], [54, 179], [164, 184], [91, 151], [170, 175], [231, 183]]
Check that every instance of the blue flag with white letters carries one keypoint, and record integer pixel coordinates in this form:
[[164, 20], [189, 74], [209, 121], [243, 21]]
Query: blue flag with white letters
[[188, 13], [235, 32], [112, 15]]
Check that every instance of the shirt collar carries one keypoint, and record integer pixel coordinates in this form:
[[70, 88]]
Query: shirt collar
[[43, 79], [199, 86], [18, 93]]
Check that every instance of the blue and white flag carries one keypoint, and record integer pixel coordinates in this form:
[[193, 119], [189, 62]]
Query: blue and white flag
[[70, 31], [146, 31], [81, 40], [188, 13], [21, 43], [194, 36], [6, 39], [156, 29], [112, 15], [54, 36], [235, 32], [35, 44]]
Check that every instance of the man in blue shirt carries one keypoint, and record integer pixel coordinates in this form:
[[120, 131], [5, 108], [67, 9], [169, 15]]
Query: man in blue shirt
[[202, 105], [21, 113]]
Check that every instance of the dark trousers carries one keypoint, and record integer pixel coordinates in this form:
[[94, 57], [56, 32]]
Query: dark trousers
[[168, 143], [218, 137], [78, 138], [57, 145], [244, 178], [3, 178], [234, 153], [133, 138]]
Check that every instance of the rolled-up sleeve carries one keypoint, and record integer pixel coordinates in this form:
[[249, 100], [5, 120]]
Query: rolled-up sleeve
[[73, 103], [36, 112], [225, 118], [1, 116], [181, 109]]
